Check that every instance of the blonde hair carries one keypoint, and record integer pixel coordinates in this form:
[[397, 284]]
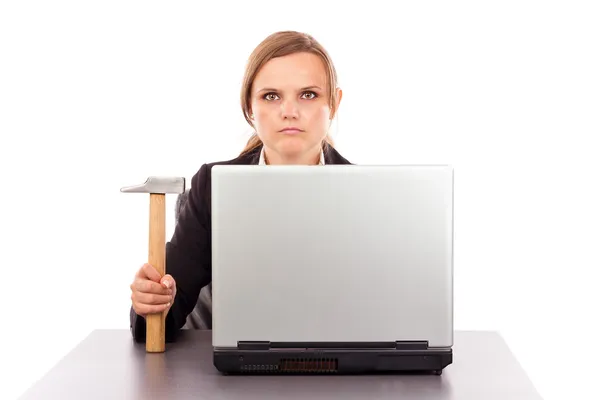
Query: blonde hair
[[281, 44]]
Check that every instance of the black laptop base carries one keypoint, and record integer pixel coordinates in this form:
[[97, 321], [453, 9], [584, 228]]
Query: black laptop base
[[331, 361]]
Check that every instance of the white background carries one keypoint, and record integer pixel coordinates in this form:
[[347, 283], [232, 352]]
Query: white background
[[98, 95]]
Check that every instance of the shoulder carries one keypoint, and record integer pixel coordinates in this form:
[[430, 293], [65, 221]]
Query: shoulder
[[201, 179], [332, 156], [248, 158], [196, 198]]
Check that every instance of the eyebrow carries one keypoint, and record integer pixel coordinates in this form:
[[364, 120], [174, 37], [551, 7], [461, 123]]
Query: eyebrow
[[302, 89]]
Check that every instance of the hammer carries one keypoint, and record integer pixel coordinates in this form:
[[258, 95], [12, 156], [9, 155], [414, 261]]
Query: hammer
[[157, 187]]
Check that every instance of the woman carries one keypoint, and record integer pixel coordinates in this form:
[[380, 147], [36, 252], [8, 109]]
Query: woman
[[289, 96]]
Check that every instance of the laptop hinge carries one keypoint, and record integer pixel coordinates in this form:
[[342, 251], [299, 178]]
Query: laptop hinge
[[254, 345], [399, 345], [412, 345]]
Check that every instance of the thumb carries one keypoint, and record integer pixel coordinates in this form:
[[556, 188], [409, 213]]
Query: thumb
[[149, 272], [168, 281]]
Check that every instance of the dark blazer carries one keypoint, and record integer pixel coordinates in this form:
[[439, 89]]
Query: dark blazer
[[188, 253]]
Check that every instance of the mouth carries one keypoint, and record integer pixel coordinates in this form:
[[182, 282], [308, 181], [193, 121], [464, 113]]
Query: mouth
[[291, 130]]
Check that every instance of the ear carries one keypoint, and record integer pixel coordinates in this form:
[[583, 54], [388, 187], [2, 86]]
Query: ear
[[338, 100]]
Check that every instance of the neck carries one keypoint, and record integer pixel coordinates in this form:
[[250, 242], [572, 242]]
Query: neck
[[309, 158]]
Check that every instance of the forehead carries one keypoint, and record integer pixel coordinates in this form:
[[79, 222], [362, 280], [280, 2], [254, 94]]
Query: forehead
[[292, 71]]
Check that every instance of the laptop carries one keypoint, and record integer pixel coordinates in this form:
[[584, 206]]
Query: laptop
[[335, 269]]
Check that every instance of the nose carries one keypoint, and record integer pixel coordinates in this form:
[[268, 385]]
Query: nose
[[289, 109]]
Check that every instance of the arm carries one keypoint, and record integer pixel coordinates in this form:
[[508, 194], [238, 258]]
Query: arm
[[188, 259]]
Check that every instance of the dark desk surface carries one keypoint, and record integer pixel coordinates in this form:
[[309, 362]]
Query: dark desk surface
[[109, 365]]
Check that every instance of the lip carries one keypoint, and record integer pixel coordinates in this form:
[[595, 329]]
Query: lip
[[291, 130]]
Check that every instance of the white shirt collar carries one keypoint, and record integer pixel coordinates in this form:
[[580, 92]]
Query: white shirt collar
[[261, 160]]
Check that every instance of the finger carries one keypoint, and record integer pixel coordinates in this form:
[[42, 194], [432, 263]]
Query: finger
[[146, 286], [149, 272], [145, 309], [168, 281], [151, 298]]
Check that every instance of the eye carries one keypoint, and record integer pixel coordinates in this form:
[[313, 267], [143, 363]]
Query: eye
[[267, 96], [313, 94]]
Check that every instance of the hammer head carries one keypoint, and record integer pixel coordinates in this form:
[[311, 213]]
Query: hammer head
[[158, 185]]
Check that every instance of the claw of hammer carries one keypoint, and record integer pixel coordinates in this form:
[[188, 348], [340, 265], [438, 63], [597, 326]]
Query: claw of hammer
[[157, 187]]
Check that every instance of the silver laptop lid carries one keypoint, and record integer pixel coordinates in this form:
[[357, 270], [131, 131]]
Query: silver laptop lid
[[340, 253]]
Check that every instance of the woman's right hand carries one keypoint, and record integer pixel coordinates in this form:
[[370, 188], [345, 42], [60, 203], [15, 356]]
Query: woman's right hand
[[151, 294]]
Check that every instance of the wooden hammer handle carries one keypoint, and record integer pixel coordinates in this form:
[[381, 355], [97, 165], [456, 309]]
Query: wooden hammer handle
[[155, 323]]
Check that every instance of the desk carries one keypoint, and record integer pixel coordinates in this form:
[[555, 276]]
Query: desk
[[109, 365]]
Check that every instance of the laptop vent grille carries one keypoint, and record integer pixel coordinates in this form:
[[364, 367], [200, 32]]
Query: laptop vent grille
[[296, 365]]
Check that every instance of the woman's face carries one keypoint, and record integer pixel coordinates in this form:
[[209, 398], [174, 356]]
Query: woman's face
[[290, 92]]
